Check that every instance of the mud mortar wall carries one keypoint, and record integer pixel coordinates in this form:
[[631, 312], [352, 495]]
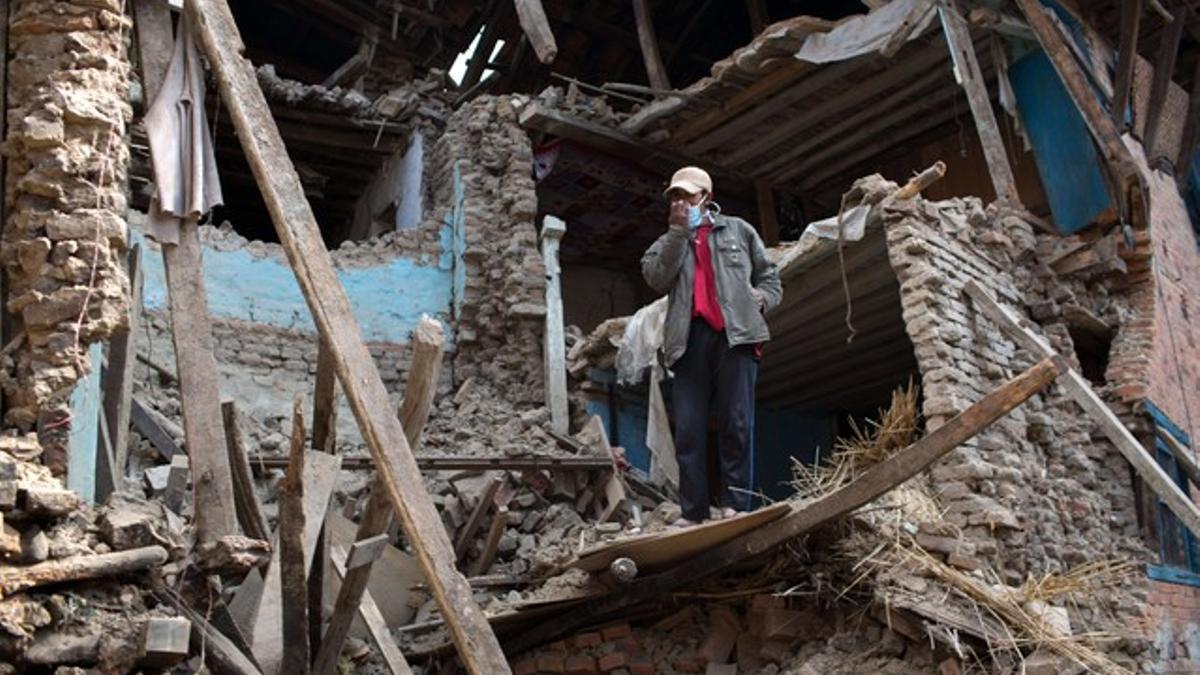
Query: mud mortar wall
[[65, 237], [1034, 492]]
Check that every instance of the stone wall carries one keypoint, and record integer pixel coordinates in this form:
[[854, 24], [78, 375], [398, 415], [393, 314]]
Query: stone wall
[[481, 168], [65, 238], [1039, 490]]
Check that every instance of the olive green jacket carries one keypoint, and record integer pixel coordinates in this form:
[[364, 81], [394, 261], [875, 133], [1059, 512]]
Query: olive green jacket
[[742, 271]]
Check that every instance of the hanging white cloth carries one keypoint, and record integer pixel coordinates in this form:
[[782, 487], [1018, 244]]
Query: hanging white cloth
[[185, 167]]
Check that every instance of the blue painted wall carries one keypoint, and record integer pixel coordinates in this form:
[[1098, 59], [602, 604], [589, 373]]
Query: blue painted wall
[[1067, 160], [388, 299]]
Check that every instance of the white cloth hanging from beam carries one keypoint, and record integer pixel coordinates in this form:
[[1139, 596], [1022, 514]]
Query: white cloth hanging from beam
[[867, 33]]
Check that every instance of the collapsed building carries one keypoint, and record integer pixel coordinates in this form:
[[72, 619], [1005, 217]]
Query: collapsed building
[[973, 444]]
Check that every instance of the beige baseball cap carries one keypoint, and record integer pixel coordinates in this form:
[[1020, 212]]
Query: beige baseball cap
[[690, 179]]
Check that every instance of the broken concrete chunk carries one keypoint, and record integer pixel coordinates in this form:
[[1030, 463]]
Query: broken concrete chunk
[[48, 502], [232, 555], [132, 523]]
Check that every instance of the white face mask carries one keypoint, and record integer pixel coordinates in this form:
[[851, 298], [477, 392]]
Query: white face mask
[[695, 216]]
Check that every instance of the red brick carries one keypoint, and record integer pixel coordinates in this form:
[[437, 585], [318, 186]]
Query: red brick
[[630, 645], [641, 665], [586, 640], [617, 632], [612, 661], [581, 665], [559, 646], [525, 667], [551, 663]]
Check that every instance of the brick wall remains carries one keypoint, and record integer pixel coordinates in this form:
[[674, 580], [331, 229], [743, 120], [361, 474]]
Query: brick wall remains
[[481, 168], [66, 196]]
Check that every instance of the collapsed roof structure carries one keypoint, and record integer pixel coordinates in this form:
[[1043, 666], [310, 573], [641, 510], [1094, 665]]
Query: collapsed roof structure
[[391, 405]]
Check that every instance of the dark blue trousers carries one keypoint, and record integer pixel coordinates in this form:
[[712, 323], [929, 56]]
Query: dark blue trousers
[[714, 380]]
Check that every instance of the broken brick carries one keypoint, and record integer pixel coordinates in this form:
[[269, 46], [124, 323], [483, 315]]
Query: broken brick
[[586, 640], [551, 663], [580, 664], [616, 632], [612, 661]]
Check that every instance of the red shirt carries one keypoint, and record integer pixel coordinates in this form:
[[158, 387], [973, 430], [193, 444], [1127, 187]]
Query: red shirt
[[704, 286]]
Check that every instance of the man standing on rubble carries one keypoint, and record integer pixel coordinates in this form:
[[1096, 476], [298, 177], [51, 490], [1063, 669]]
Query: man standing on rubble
[[721, 285]]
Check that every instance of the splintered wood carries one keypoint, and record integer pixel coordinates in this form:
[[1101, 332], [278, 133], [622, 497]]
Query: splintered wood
[[301, 239]]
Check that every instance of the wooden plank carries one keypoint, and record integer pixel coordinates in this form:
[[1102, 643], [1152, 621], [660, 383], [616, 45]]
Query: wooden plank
[[148, 425], [467, 534], [369, 612], [1164, 68], [1131, 21], [86, 411], [1128, 183], [428, 343], [532, 17], [325, 402], [354, 67], [118, 378], [966, 66], [759, 18], [554, 348], [1183, 455], [249, 513], [156, 43], [265, 628], [220, 653], [366, 551], [1087, 398], [292, 562], [613, 141], [301, 239], [740, 102], [428, 463], [768, 214], [804, 517], [656, 72], [177, 482], [492, 542]]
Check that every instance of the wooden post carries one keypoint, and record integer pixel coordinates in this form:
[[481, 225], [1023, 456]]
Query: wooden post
[[79, 568], [325, 402], [758, 15], [1131, 21], [377, 627], [301, 239], [966, 71], [1079, 389], [1128, 182], [492, 542], [118, 379], [877, 480], [1164, 67], [215, 515], [768, 214], [475, 520], [423, 374], [554, 348], [249, 514], [292, 554], [1191, 130], [656, 72], [532, 17]]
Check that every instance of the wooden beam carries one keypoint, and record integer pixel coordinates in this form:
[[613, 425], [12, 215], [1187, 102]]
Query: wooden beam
[[301, 239], [1087, 398], [325, 402], [863, 96], [356, 66], [428, 463], [759, 17], [484, 49], [532, 17], [118, 378], [14, 579], [877, 480], [144, 420], [768, 214], [377, 627], [156, 44], [1191, 130], [966, 68], [615, 142], [1131, 21], [656, 72], [1183, 455], [554, 350], [467, 534], [423, 374], [905, 30], [492, 542], [249, 513], [292, 554], [740, 102], [1127, 180], [1164, 68]]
